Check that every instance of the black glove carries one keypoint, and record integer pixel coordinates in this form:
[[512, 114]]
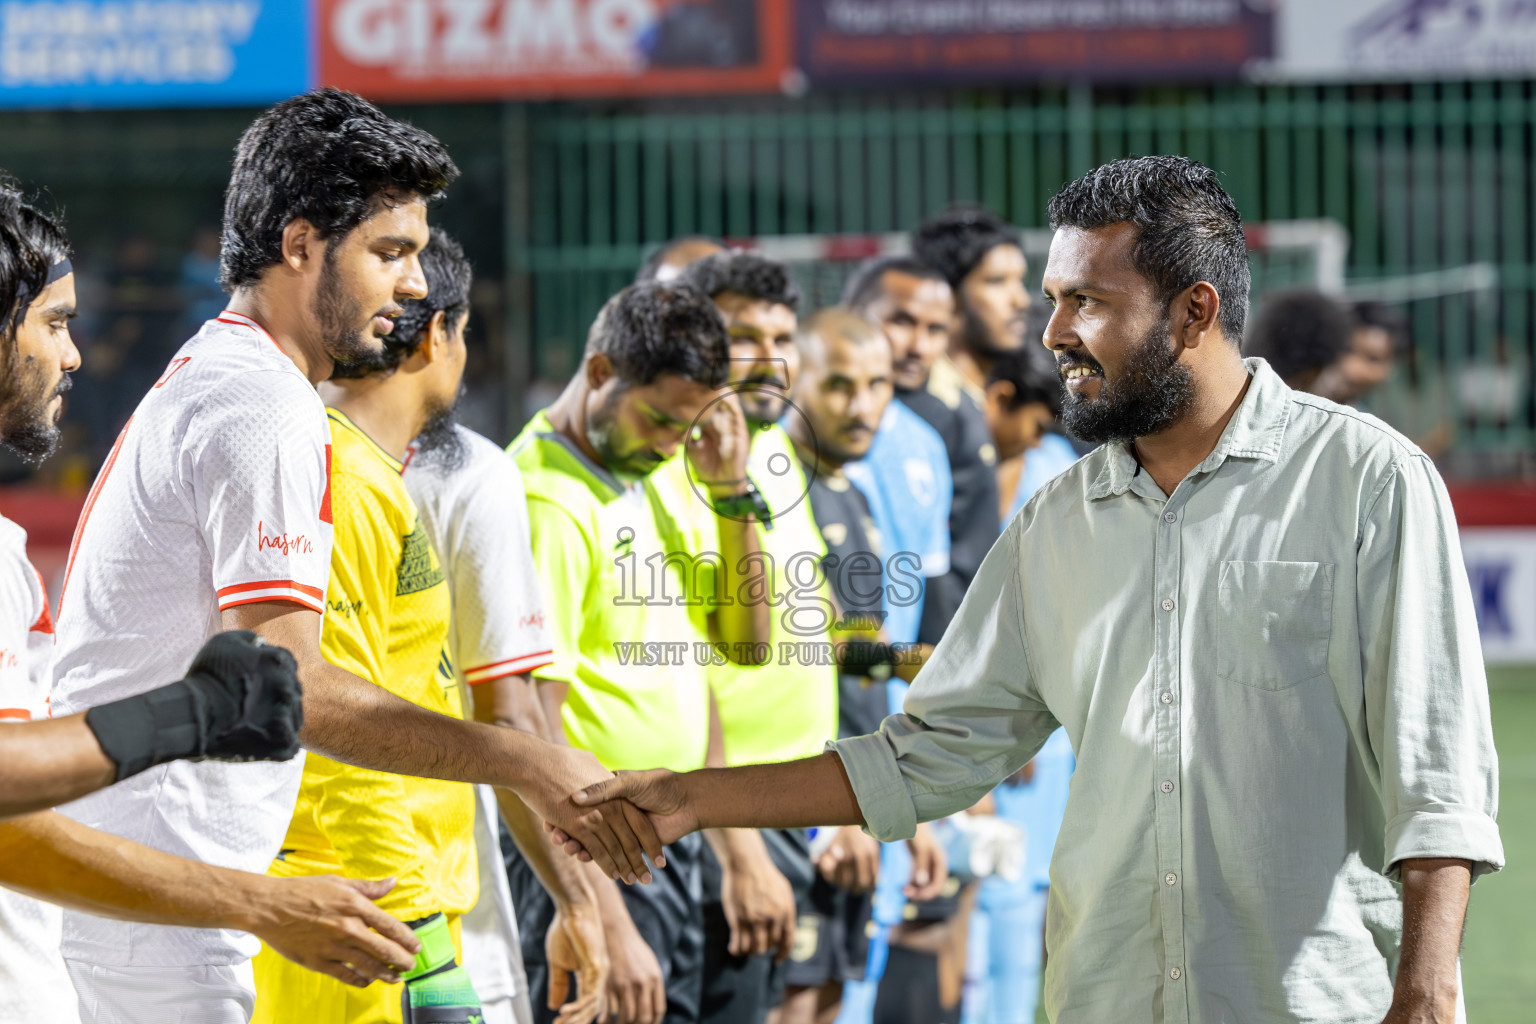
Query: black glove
[[241, 701], [866, 658]]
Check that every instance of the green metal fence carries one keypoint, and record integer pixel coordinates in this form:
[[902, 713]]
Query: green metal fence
[[1428, 179]]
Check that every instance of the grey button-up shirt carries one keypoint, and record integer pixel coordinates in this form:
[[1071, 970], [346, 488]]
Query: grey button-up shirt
[[1274, 688]]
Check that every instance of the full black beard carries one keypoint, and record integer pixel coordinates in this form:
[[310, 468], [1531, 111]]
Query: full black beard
[[338, 315], [26, 428], [1151, 392], [439, 443]]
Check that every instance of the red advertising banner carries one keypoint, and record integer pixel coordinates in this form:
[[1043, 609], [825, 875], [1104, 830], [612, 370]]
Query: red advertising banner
[[407, 50], [995, 41]]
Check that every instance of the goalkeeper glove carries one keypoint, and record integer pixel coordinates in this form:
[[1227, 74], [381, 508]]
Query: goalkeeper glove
[[437, 989], [241, 701]]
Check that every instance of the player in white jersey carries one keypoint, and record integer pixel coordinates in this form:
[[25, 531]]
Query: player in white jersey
[[211, 511], [52, 857], [469, 494], [50, 762]]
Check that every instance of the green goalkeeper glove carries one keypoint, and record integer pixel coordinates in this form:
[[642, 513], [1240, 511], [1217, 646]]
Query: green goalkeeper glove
[[437, 989]]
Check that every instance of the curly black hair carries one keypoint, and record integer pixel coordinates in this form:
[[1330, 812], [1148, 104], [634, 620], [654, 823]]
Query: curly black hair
[[1299, 332], [866, 282], [745, 273], [649, 329], [329, 157], [449, 277], [31, 242], [959, 238], [1189, 229]]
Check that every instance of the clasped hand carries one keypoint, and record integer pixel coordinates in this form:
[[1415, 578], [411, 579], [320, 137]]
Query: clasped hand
[[623, 815]]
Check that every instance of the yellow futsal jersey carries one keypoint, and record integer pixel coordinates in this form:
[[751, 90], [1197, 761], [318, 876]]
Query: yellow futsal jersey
[[386, 619], [637, 697]]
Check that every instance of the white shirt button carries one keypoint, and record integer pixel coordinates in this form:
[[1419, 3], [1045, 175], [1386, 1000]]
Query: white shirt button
[[1175, 973], [1169, 517], [1166, 787], [1166, 697], [1170, 879], [1167, 604]]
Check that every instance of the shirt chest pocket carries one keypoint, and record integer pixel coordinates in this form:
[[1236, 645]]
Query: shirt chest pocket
[[1273, 622]]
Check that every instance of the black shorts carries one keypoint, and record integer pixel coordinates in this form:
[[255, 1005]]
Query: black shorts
[[742, 989], [831, 938], [667, 913]]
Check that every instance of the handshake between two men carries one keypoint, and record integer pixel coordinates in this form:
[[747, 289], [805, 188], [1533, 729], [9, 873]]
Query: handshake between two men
[[636, 812]]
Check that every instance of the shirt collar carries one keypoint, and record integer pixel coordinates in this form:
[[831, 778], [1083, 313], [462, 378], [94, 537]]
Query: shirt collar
[[547, 432], [1254, 432]]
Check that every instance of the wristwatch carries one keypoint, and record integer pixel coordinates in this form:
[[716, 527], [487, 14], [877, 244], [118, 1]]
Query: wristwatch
[[749, 502]]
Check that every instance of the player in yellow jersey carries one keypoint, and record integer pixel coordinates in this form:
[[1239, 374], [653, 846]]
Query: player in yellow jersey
[[386, 620]]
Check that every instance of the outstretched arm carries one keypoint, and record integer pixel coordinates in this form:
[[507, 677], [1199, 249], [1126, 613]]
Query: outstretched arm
[[353, 721], [972, 719], [794, 794], [1434, 909], [240, 700], [325, 924], [47, 763]]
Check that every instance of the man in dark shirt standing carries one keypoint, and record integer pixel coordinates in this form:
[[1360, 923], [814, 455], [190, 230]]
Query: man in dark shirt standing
[[911, 295]]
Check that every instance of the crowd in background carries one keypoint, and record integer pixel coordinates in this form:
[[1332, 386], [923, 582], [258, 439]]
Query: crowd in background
[[140, 295], [967, 433], [914, 421], [731, 539], [940, 456]]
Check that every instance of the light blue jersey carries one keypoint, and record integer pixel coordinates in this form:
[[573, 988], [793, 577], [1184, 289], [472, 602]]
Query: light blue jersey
[[1041, 465], [905, 478]]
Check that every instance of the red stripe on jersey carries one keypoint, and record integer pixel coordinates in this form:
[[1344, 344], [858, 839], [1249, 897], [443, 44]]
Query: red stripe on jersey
[[44, 623], [298, 599], [21, 713], [90, 503], [510, 667], [241, 320], [325, 500], [303, 588]]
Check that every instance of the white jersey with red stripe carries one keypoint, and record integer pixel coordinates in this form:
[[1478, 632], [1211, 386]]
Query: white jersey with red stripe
[[216, 494], [33, 983], [476, 515]]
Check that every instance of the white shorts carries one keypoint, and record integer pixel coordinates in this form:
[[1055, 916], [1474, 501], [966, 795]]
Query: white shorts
[[163, 995], [506, 1010]]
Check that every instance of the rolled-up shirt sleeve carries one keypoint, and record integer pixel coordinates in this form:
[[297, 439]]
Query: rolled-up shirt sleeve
[[1426, 691], [972, 717]]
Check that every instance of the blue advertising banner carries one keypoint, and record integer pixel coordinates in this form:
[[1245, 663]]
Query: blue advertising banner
[[153, 53]]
